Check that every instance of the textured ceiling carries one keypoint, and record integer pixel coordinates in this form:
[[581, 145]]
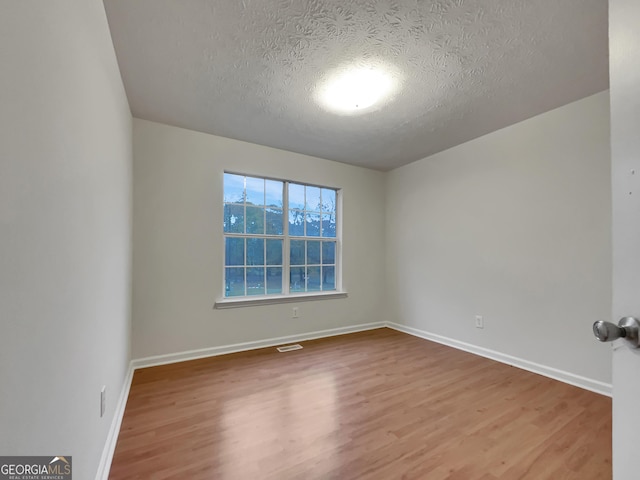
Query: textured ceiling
[[248, 69]]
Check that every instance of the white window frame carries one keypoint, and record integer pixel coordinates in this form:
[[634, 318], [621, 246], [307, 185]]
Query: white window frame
[[286, 296]]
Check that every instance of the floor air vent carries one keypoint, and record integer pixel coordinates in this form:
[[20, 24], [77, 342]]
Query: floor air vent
[[289, 348]]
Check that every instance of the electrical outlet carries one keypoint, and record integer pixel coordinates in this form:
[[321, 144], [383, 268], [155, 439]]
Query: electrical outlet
[[479, 321], [103, 400], [294, 312]]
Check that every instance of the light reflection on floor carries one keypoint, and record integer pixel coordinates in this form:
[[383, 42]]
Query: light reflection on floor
[[299, 419]]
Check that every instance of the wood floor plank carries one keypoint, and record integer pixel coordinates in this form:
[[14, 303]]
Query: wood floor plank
[[373, 405]]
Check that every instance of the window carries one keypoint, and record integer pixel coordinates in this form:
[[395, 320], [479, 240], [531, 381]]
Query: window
[[280, 237]]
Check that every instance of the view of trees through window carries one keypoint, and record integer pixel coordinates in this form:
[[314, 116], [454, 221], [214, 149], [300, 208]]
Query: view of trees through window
[[263, 219]]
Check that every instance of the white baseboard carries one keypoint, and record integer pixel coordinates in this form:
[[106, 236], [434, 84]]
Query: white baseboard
[[241, 347], [561, 375], [114, 430]]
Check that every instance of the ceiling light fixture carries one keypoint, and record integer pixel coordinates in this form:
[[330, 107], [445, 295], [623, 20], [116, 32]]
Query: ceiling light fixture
[[357, 89]]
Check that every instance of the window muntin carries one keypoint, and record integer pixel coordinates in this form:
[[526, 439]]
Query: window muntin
[[257, 237]]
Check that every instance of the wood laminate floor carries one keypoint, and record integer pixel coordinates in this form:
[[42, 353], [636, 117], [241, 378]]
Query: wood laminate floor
[[371, 405]]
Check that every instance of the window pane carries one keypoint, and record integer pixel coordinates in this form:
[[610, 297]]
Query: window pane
[[255, 220], [313, 199], [255, 281], [313, 253], [274, 280], [234, 219], [328, 278], [297, 283], [296, 196], [313, 279], [255, 191], [296, 256], [328, 200], [274, 221], [255, 251], [273, 191], [234, 281], [328, 253], [234, 251], [233, 188], [296, 223], [328, 225], [313, 225], [274, 252]]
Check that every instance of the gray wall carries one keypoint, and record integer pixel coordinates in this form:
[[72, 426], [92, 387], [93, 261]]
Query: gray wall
[[514, 226], [178, 243], [65, 234]]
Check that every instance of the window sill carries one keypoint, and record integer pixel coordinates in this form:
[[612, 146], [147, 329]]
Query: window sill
[[276, 299]]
